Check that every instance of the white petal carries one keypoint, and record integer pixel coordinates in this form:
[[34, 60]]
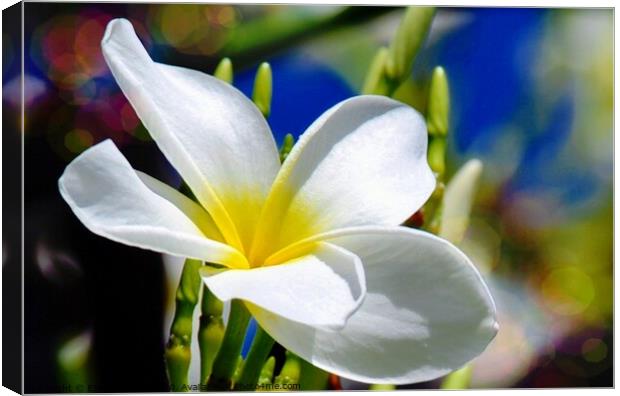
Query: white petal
[[363, 162], [109, 197], [321, 289], [427, 311], [211, 133]]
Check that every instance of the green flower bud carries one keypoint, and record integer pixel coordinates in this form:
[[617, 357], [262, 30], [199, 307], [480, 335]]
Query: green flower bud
[[376, 82], [382, 387], [437, 155], [459, 379], [410, 36], [287, 146], [224, 70], [266, 373], [290, 371], [263, 88], [457, 201], [73, 360], [438, 117]]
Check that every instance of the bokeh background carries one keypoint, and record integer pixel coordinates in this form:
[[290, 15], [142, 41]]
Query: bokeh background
[[532, 97]]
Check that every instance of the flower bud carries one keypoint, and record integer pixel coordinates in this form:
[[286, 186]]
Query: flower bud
[[438, 103], [262, 88], [458, 200], [287, 146], [459, 379], [376, 82], [410, 36], [224, 70], [266, 373], [437, 154]]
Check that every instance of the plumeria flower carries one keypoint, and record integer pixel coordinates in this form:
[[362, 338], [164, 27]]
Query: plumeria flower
[[313, 247]]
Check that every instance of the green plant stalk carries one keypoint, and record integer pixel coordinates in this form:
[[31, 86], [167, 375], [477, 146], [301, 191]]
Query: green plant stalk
[[312, 378], [178, 348], [254, 361], [226, 359], [238, 368], [437, 121], [278, 31], [210, 333]]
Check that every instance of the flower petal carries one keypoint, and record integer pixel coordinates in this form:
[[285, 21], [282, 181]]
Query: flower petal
[[321, 289], [363, 162], [114, 201], [427, 311], [211, 133]]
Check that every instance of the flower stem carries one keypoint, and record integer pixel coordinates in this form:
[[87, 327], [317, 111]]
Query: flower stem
[[312, 378], [210, 333], [178, 348], [261, 347], [226, 360]]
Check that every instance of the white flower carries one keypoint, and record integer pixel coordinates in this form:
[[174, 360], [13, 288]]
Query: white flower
[[312, 247]]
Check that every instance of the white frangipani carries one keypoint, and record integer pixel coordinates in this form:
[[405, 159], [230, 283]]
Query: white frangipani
[[314, 247]]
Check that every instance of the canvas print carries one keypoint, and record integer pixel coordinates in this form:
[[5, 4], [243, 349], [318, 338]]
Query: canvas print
[[255, 197]]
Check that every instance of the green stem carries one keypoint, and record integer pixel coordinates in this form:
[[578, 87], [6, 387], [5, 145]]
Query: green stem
[[276, 32], [210, 333], [261, 347], [178, 348], [226, 360], [312, 378]]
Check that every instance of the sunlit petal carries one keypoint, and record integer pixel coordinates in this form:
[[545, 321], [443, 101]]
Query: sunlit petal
[[426, 311], [363, 162], [321, 289], [113, 201], [211, 133]]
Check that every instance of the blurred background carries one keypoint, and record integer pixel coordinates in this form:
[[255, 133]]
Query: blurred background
[[532, 97]]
